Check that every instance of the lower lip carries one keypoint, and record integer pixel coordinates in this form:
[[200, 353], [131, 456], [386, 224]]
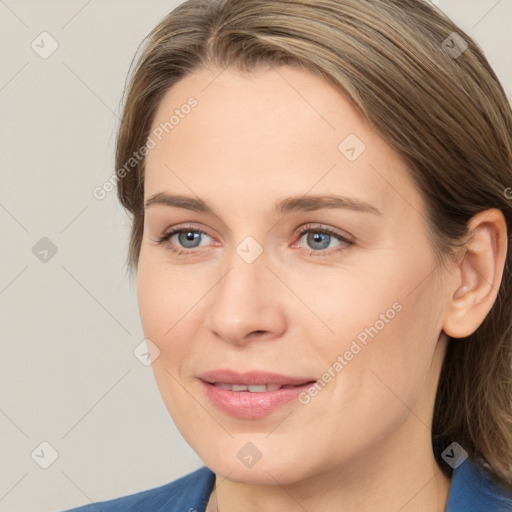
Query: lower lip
[[248, 405]]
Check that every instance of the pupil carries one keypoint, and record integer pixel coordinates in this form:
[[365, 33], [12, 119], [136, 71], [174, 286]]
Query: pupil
[[187, 238], [320, 238]]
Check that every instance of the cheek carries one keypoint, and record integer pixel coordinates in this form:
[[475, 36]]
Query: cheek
[[152, 303], [158, 291], [172, 306], [383, 325], [164, 308], [166, 315], [390, 358], [348, 305]]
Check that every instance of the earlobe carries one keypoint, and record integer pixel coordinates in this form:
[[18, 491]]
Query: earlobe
[[479, 273]]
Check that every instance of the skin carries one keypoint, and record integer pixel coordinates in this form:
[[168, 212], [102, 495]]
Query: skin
[[364, 442]]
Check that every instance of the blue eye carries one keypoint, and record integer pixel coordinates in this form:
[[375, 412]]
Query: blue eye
[[321, 241], [186, 238], [318, 239], [189, 239]]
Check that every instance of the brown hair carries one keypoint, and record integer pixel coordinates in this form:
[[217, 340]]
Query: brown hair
[[437, 102]]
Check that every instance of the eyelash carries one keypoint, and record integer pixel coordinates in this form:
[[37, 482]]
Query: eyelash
[[308, 228]]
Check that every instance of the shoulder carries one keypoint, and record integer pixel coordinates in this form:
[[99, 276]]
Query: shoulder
[[473, 488], [189, 493]]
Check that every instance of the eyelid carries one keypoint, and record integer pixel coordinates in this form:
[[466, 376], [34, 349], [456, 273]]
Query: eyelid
[[320, 228], [178, 229], [346, 241], [310, 227]]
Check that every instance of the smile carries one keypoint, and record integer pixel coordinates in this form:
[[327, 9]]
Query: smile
[[254, 388]]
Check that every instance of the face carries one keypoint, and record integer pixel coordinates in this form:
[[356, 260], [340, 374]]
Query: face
[[303, 252]]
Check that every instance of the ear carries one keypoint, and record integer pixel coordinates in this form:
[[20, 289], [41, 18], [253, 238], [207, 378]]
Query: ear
[[478, 274]]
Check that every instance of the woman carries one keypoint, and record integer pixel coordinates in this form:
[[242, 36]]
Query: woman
[[321, 204]]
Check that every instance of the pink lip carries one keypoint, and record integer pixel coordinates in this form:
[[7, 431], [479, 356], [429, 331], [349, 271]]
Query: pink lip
[[246, 404], [252, 378]]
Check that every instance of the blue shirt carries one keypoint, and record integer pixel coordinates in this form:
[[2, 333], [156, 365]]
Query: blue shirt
[[471, 490]]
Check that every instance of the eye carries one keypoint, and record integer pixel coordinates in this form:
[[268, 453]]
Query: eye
[[320, 239], [184, 238]]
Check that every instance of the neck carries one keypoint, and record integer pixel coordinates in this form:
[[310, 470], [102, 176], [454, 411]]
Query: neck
[[392, 477]]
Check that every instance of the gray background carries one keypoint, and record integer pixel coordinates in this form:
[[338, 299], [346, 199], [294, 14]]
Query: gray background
[[69, 325]]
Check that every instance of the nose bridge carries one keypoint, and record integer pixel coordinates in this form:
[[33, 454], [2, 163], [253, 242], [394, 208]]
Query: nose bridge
[[245, 300], [247, 263]]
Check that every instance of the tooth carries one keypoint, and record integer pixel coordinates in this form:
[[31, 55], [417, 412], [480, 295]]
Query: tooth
[[223, 386], [257, 388]]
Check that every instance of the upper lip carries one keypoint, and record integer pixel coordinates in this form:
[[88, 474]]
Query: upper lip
[[252, 378]]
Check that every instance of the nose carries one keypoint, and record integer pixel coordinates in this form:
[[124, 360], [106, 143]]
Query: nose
[[247, 303]]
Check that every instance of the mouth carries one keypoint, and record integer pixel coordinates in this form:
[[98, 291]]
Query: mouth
[[253, 379], [257, 388], [251, 395]]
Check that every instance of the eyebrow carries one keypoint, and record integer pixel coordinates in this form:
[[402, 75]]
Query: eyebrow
[[299, 203]]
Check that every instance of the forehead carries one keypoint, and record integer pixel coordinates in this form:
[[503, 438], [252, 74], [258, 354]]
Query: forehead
[[284, 102], [282, 127]]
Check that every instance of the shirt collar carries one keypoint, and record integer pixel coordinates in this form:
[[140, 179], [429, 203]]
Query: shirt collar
[[474, 489]]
